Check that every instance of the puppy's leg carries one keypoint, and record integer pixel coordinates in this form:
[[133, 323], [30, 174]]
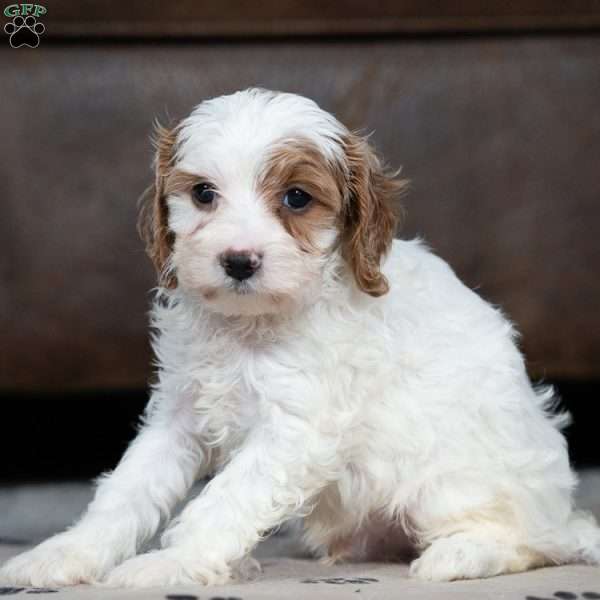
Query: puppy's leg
[[469, 532], [482, 544], [473, 554], [156, 471], [271, 478]]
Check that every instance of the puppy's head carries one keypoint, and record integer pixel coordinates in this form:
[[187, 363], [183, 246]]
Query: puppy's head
[[255, 193]]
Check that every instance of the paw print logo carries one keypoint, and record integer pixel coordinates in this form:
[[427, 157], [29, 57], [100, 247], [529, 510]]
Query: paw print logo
[[24, 31]]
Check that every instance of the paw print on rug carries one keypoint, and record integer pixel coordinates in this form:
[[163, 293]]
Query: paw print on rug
[[24, 31], [568, 596], [11, 591], [342, 580], [192, 597]]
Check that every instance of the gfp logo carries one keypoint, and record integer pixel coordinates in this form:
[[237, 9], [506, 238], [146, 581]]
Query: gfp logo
[[24, 29]]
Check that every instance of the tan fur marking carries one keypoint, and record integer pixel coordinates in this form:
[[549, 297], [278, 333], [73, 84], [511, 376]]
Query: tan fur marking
[[179, 181], [299, 164], [370, 218], [153, 218]]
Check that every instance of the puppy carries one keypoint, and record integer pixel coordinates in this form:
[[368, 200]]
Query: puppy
[[319, 369]]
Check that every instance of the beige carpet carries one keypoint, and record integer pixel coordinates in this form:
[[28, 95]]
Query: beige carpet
[[284, 578]]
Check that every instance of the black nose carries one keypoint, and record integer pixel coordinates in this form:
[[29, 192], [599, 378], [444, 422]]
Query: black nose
[[240, 265]]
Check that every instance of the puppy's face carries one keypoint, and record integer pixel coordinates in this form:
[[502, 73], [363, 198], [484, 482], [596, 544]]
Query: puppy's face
[[254, 193]]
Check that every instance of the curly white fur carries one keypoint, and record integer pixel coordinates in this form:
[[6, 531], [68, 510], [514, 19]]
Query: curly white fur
[[330, 405]]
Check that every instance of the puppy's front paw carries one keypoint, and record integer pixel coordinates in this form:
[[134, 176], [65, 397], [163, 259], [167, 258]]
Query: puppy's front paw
[[165, 567], [459, 557], [59, 561]]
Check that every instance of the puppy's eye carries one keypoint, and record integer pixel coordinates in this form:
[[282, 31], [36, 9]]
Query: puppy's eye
[[203, 193], [296, 199]]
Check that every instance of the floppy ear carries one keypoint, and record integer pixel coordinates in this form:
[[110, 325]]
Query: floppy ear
[[370, 218], [153, 218]]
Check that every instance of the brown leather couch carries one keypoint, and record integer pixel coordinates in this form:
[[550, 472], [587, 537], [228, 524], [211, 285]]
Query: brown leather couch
[[492, 111]]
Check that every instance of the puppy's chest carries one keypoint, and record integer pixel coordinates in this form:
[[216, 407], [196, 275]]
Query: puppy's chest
[[231, 389], [238, 383]]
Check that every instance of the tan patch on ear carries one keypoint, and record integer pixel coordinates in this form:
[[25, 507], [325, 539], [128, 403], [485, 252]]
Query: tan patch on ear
[[299, 164], [153, 218], [371, 217]]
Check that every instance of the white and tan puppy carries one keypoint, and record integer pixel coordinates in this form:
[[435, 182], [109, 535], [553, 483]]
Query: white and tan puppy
[[318, 369]]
